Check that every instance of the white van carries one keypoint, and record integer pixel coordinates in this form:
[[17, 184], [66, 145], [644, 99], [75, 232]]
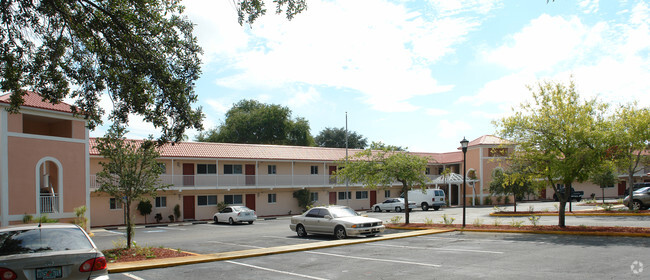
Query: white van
[[427, 198]]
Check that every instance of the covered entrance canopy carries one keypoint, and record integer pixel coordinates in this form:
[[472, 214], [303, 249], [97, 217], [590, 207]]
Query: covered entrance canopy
[[452, 179]]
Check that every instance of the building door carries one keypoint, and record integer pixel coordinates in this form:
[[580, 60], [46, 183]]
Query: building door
[[332, 198], [250, 201], [332, 169], [621, 188], [373, 198], [542, 193], [250, 175], [188, 207], [188, 174]]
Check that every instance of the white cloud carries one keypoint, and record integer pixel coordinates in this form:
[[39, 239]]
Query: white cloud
[[452, 7], [453, 129], [506, 91], [302, 98], [589, 6], [384, 55], [436, 112], [544, 43]]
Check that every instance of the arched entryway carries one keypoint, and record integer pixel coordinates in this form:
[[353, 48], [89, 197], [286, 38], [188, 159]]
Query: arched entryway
[[49, 185]]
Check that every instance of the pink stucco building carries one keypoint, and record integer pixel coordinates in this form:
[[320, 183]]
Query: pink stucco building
[[44, 164]]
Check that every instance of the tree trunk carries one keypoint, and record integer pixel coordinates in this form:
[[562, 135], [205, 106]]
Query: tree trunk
[[630, 192], [406, 202], [129, 224]]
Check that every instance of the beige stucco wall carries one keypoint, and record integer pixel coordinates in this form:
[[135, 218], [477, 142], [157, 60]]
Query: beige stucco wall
[[25, 153]]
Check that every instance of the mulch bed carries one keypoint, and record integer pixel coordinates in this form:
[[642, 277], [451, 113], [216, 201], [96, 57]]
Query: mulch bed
[[141, 254], [613, 212], [598, 229]]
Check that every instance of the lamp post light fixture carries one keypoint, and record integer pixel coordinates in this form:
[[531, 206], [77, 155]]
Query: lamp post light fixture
[[463, 144]]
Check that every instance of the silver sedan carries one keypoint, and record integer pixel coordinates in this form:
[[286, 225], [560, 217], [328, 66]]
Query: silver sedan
[[340, 221], [49, 251]]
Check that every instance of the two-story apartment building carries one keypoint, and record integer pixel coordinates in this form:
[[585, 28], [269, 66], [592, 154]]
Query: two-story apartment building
[[264, 177], [43, 161]]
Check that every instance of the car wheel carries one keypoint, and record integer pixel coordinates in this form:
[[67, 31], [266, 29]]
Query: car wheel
[[339, 232], [637, 205], [377, 209], [300, 230], [425, 206], [230, 221], [371, 235], [436, 208], [398, 209], [215, 219], [250, 222]]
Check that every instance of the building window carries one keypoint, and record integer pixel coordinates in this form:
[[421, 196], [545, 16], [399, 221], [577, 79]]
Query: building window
[[206, 169], [387, 193], [232, 199], [163, 167], [427, 171], [232, 169], [161, 201], [343, 197], [115, 203], [272, 198], [497, 152], [362, 194], [314, 169], [205, 200], [314, 196], [272, 169]]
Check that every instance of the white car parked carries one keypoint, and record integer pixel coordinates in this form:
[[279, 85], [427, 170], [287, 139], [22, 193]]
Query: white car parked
[[235, 214], [392, 204], [340, 221]]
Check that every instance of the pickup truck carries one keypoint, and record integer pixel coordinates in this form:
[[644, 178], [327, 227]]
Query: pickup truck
[[577, 195]]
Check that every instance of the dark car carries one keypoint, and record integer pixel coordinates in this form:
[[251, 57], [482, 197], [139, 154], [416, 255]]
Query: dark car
[[637, 186], [49, 251], [575, 195]]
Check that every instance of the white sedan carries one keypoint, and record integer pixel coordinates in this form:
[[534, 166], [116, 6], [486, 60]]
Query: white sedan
[[340, 221], [235, 214], [392, 204]]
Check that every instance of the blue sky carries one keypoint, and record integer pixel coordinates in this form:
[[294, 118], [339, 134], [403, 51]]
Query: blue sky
[[417, 74]]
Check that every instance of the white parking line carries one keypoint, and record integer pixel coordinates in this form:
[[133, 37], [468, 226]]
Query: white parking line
[[438, 249], [372, 259], [277, 271], [132, 276], [479, 240], [235, 244]]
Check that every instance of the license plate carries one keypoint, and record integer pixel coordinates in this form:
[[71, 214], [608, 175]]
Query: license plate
[[48, 273]]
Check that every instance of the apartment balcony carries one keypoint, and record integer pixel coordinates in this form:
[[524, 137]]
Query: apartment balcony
[[49, 203], [247, 181]]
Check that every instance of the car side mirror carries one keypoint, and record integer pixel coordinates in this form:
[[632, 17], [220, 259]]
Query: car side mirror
[[327, 217]]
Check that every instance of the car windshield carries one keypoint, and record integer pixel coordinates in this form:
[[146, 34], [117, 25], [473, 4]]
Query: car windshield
[[42, 240], [342, 212], [642, 190]]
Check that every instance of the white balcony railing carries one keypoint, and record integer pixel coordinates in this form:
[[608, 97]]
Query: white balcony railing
[[49, 204], [237, 181]]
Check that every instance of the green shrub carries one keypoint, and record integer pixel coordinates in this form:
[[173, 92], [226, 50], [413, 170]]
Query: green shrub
[[607, 207], [81, 219], [27, 218], [428, 221], [448, 220], [177, 211], [498, 199], [534, 220], [506, 199], [395, 219], [144, 207], [496, 222], [488, 200], [516, 224], [477, 222]]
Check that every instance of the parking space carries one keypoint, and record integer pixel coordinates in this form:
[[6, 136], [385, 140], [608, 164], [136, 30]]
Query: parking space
[[441, 256]]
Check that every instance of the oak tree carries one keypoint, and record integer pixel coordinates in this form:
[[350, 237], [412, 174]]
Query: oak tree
[[335, 138]]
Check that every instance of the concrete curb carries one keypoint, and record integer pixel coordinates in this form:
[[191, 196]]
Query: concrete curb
[[586, 233], [168, 262], [493, 214]]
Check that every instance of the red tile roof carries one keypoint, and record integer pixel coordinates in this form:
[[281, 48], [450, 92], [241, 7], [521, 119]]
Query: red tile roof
[[266, 152], [488, 140], [35, 100]]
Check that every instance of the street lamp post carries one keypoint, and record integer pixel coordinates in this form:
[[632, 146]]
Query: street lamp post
[[463, 144]]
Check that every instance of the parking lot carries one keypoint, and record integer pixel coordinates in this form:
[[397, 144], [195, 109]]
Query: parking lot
[[441, 256], [452, 255]]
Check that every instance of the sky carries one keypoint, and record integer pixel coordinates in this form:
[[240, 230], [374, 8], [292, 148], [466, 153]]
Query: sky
[[417, 74]]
